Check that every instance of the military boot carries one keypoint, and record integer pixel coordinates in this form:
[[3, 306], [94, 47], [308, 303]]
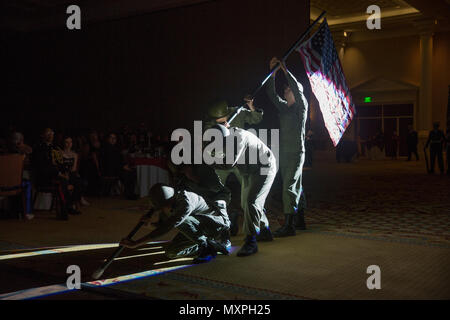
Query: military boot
[[216, 246], [205, 253], [288, 229], [250, 247], [299, 220], [224, 239], [265, 235], [209, 250]]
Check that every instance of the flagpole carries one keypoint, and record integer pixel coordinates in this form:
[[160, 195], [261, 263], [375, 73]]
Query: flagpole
[[285, 56], [297, 43]]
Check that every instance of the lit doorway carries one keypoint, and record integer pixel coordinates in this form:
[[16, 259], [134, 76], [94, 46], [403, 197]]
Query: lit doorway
[[387, 118]]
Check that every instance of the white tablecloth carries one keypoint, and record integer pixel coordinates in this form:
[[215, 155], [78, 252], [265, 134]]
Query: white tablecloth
[[147, 176]]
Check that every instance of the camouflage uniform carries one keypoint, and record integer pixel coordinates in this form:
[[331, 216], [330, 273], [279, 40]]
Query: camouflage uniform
[[196, 221], [255, 184], [292, 142], [245, 117]]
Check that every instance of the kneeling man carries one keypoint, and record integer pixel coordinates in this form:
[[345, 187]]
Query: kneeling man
[[203, 229]]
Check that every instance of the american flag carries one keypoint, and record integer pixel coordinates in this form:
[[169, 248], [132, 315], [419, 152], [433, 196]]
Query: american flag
[[327, 81]]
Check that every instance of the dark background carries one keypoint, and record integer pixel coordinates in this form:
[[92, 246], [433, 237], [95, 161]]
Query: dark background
[[162, 68]]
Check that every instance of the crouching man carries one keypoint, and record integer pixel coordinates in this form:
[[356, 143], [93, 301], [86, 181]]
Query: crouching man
[[203, 229]]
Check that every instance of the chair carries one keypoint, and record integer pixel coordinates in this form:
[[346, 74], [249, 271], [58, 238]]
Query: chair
[[11, 170]]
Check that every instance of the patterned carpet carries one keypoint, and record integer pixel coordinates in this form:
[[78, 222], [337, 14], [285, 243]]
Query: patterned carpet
[[178, 286], [390, 200], [388, 213], [384, 199], [418, 227]]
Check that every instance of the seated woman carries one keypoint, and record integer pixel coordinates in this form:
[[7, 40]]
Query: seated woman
[[48, 171]]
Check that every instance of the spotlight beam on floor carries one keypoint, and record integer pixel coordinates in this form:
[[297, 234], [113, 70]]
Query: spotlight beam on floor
[[174, 260], [64, 250], [140, 255], [35, 292], [151, 248], [40, 292]]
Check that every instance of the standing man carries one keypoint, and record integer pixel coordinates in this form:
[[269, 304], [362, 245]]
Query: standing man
[[436, 140], [113, 164], [256, 165], [293, 112], [394, 145], [447, 142], [411, 141], [219, 113]]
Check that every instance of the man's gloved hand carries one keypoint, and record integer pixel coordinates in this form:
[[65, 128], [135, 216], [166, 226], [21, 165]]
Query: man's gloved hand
[[249, 101], [220, 204]]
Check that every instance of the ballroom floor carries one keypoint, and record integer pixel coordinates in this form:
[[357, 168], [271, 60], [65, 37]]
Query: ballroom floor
[[388, 213]]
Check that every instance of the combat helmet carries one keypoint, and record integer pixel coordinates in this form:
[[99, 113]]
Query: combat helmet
[[160, 194], [219, 110]]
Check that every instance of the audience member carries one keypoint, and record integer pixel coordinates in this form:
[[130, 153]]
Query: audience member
[[70, 169], [90, 170], [48, 172], [112, 164], [394, 143], [346, 150], [376, 146], [74, 164], [133, 146], [411, 141], [142, 136], [17, 145], [447, 142], [436, 140]]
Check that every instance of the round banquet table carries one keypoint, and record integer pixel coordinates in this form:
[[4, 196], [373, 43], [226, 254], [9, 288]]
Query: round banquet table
[[149, 172]]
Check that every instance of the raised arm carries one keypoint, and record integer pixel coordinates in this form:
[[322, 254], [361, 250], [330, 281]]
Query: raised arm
[[277, 101], [296, 87], [253, 115]]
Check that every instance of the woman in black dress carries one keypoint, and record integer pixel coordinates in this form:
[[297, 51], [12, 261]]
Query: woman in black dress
[[70, 168]]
